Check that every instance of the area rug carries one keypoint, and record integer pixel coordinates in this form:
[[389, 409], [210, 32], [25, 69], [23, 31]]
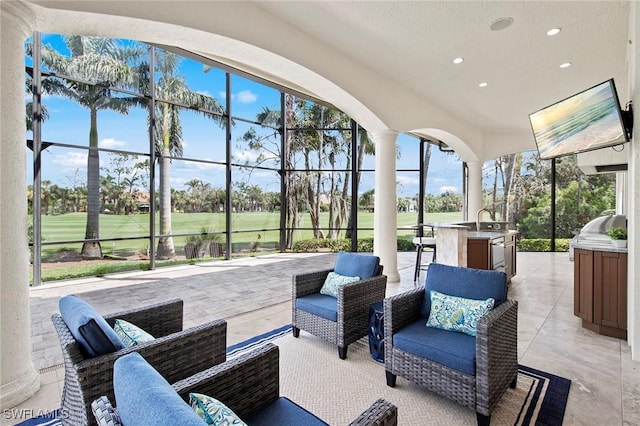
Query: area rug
[[312, 374]]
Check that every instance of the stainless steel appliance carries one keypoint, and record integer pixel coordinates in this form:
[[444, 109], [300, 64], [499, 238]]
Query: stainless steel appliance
[[497, 254], [595, 231]]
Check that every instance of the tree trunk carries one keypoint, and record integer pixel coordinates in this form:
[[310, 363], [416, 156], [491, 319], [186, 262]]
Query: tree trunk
[[165, 242], [93, 250]]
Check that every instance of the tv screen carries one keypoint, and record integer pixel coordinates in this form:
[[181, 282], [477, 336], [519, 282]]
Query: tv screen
[[585, 121]]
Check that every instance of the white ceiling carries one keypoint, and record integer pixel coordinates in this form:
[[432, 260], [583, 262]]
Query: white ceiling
[[388, 63]]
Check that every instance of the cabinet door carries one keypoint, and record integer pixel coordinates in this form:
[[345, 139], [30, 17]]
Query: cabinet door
[[583, 284], [510, 255], [478, 254], [610, 289]]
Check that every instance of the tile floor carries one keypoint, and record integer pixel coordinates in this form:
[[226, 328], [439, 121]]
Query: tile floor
[[253, 295]]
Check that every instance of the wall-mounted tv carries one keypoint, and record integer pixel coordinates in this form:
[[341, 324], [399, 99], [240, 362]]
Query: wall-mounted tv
[[586, 121]]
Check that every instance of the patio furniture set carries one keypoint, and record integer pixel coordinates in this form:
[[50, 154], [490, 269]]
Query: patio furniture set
[[166, 368]]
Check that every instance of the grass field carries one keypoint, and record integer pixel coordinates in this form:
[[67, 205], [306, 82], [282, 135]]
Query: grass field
[[246, 227]]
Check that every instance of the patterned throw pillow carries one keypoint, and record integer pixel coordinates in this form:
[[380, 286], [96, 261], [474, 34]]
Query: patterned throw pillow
[[457, 313], [213, 412], [130, 334], [334, 281]]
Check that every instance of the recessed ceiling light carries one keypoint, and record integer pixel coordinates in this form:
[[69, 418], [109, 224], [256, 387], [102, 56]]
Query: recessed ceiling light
[[458, 60], [501, 23], [554, 31], [565, 65], [483, 84]]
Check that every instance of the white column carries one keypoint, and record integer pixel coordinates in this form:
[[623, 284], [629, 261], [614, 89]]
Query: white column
[[621, 193], [633, 211], [18, 378], [474, 189], [385, 234]]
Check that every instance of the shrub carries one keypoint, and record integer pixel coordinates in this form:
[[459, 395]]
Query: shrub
[[344, 244], [617, 233], [542, 244]]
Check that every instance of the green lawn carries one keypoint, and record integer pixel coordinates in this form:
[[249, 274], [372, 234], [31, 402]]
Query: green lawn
[[246, 226]]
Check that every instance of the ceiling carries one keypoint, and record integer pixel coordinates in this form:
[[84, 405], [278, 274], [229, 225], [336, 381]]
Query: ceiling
[[389, 63]]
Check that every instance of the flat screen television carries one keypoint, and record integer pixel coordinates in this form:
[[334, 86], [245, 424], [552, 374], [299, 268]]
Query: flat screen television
[[588, 120]]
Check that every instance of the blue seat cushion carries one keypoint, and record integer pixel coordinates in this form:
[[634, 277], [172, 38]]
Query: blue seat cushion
[[320, 305], [464, 282], [144, 397], [356, 265], [450, 348], [281, 412], [94, 335]]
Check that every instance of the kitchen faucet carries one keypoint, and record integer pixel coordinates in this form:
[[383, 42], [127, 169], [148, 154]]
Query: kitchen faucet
[[478, 217]]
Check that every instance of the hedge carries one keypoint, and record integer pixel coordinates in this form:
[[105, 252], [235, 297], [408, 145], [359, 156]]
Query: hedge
[[542, 244]]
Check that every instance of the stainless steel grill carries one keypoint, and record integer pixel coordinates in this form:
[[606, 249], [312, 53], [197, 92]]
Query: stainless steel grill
[[595, 231]]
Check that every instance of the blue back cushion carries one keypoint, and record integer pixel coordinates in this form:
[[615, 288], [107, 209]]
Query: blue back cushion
[[94, 335], [464, 282], [144, 397], [283, 411], [356, 265]]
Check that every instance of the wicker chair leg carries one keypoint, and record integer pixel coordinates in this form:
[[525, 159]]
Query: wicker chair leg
[[391, 379], [296, 331], [514, 383], [483, 420], [342, 352]]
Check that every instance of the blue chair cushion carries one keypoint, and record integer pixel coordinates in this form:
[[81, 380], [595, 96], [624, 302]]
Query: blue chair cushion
[[94, 335], [283, 411], [464, 282], [356, 265], [320, 305], [144, 397], [455, 350]]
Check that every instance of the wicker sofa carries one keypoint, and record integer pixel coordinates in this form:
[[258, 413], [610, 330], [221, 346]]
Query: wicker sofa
[[474, 371], [340, 320], [175, 353], [248, 385]]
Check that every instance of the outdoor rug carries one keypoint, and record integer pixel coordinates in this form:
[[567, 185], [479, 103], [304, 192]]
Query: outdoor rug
[[312, 375], [337, 391]]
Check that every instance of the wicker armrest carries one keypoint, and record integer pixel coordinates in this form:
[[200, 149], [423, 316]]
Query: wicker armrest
[[496, 353], [244, 384], [380, 413], [362, 293], [159, 320], [176, 357], [402, 309], [104, 412], [309, 283]]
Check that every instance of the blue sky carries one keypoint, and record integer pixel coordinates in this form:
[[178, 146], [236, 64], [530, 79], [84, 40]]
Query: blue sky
[[204, 140]]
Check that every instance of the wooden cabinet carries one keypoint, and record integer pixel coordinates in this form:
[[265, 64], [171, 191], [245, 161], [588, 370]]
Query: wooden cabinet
[[600, 291], [478, 254]]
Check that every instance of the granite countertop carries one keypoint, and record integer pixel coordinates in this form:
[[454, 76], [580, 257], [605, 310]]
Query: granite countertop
[[489, 235], [599, 246]]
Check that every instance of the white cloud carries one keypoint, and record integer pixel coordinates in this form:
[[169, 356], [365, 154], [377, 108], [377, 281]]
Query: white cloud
[[71, 160], [247, 97], [249, 156], [111, 143], [205, 93], [448, 188], [407, 180]]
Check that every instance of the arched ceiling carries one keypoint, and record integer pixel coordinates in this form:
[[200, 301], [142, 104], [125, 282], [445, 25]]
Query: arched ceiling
[[389, 64]]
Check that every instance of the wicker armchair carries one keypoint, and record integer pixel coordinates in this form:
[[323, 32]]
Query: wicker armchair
[[248, 385], [341, 320], [175, 353], [492, 354]]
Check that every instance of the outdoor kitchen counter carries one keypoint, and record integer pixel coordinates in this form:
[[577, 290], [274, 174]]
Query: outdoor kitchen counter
[[598, 246], [489, 235]]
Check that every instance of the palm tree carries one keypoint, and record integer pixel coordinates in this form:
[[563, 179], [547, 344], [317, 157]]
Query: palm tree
[[173, 88], [96, 63]]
